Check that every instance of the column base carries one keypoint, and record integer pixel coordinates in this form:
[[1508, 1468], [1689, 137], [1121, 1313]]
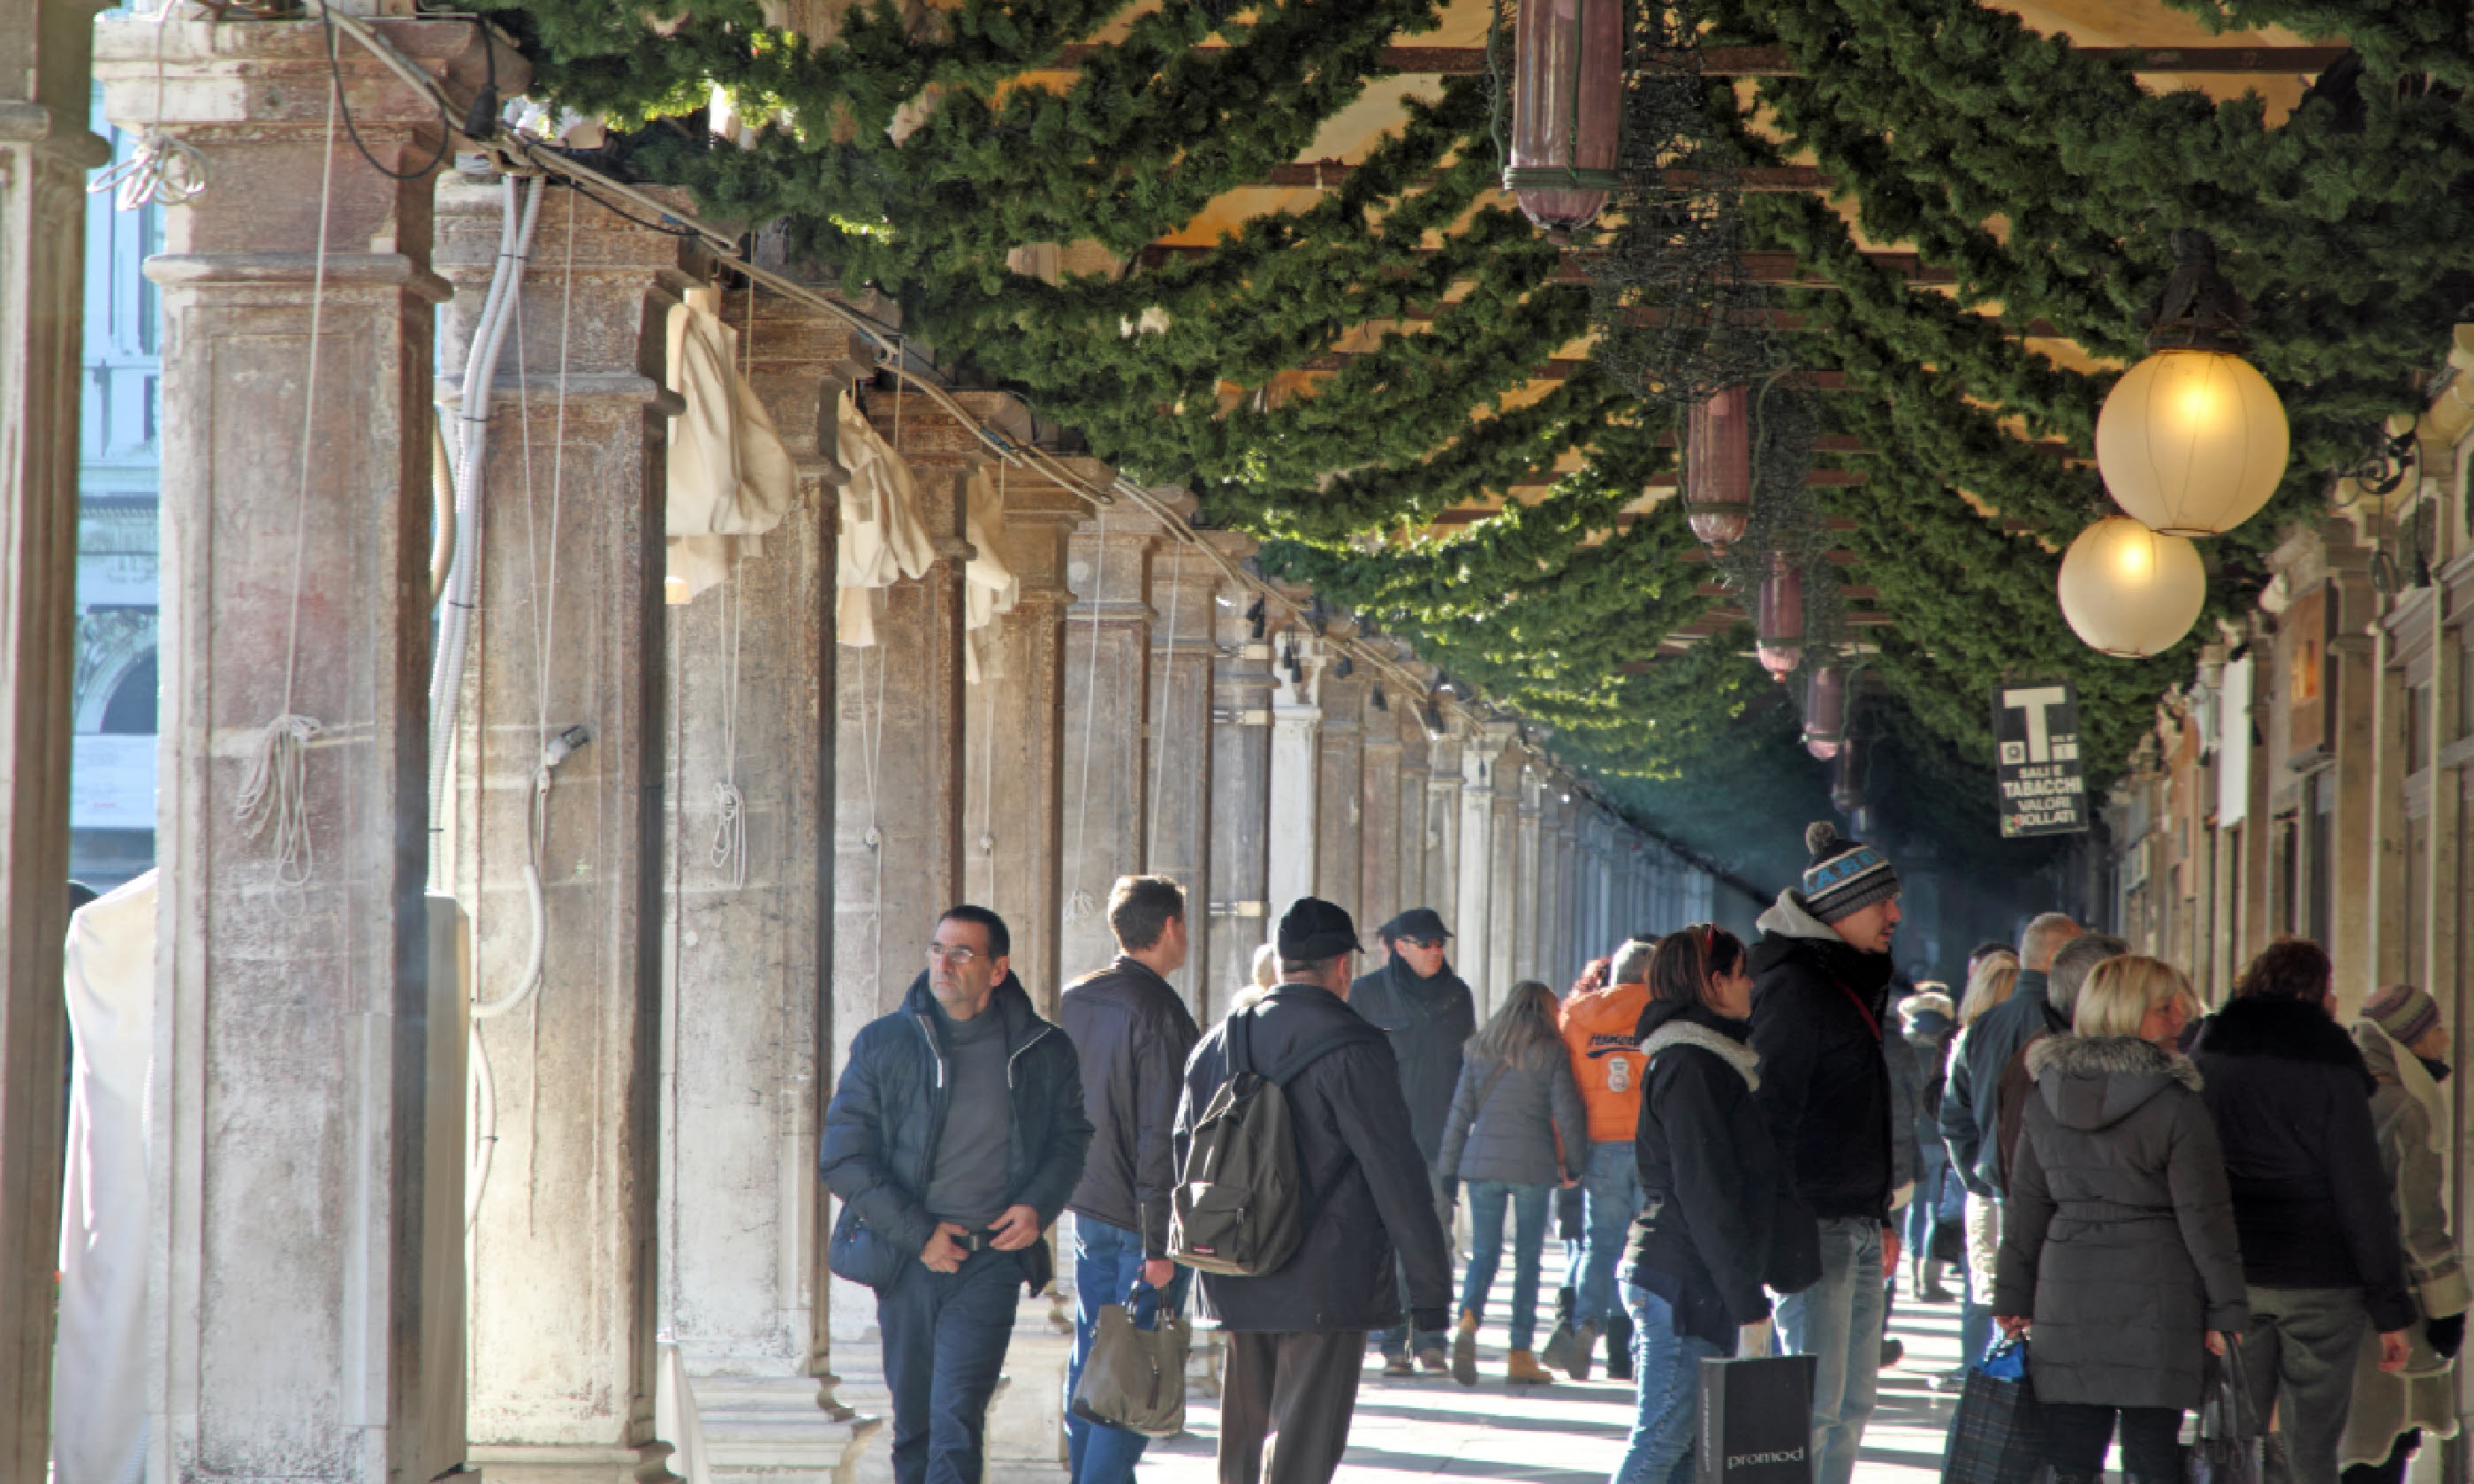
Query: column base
[[557, 1463], [770, 1426]]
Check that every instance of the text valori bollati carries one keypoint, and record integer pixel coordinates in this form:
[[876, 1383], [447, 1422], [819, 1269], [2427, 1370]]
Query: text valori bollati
[[2036, 737]]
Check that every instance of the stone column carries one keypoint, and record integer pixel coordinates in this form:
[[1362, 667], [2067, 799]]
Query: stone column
[[1477, 927], [1531, 890], [1018, 745], [1107, 703], [564, 1243], [1238, 886], [1296, 775], [1574, 950], [1380, 827], [748, 1034], [1410, 788], [1439, 835], [1515, 898], [1341, 791], [45, 151], [1186, 592]]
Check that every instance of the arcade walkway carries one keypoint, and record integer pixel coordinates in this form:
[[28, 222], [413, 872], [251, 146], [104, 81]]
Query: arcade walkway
[[1571, 1434]]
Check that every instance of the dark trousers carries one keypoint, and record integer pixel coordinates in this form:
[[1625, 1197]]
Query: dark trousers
[[1297, 1389], [945, 1339], [1397, 1340], [2077, 1434]]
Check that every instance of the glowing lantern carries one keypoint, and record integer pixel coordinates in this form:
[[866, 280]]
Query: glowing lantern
[[1847, 788], [1825, 711], [2192, 441], [1567, 110], [1718, 467], [2131, 592], [1780, 629]]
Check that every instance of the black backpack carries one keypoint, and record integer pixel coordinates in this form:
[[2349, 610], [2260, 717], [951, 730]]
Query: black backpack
[[1239, 1208]]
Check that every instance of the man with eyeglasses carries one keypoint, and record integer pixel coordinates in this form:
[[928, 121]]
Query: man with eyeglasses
[[1417, 1001], [954, 1139]]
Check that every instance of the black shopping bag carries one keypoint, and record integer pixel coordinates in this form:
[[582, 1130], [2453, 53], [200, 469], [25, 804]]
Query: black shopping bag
[[2226, 1448], [1756, 1421], [1997, 1434]]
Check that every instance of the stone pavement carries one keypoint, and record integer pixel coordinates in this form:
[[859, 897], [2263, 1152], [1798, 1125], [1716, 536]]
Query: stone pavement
[[1571, 1433]]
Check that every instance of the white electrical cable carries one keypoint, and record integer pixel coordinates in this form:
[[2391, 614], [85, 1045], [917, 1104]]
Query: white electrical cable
[[1081, 907]]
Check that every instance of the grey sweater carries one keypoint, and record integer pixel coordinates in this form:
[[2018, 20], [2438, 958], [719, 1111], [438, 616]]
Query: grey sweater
[[1506, 1119]]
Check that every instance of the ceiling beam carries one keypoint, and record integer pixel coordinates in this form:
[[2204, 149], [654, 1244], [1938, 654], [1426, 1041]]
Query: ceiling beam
[[1774, 61], [1777, 268], [1328, 175]]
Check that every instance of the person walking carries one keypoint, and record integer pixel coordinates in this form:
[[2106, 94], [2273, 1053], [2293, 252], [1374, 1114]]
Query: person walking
[[2406, 1047], [2291, 1099], [954, 1139], [1428, 1015], [1601, 1036], [2117, 1246], [1133, 1035], [1514, 1112], [1714, 1194], [1821, 978], [1929, 1023], [1296, 1337]]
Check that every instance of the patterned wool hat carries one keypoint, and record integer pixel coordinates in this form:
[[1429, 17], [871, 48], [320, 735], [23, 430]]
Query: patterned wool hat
[[1846, 875], [2407, 1013]]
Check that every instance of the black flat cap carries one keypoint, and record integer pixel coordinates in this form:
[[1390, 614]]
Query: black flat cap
[[1312, 929], [1416, 923]]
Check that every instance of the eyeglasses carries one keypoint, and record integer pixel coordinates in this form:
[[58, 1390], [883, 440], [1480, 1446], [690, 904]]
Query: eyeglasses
[[958, 957]]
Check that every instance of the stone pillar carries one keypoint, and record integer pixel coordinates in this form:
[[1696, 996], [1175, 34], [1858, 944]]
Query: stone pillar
[[45, 151], [1107, 701], [1476, 924], [1381, 829], [1186, 592], [1015, 718], [1573, 952], [564, 1240], [1511, 903], [1296, 774], [1531, 893], [1439, 835], [1341, 791], [748, 1036], [1238, 886]]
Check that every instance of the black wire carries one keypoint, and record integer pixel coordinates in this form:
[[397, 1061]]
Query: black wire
[[667, 227], [335, 69]]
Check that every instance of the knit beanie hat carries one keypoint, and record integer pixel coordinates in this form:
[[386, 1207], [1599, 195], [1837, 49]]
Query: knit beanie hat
[[2407, 1013], [1846, 875]]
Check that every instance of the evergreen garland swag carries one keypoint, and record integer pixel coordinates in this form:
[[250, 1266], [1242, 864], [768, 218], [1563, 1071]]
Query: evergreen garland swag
[[1938, 116]]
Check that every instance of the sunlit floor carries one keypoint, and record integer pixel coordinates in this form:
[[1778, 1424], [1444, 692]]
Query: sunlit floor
[[1570, 1433]]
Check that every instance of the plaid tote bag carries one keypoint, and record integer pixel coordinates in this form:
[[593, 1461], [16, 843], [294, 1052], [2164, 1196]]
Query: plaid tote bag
[[1997, 1436]]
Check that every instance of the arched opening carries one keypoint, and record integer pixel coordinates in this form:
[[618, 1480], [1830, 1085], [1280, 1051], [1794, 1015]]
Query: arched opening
[[130, 711]]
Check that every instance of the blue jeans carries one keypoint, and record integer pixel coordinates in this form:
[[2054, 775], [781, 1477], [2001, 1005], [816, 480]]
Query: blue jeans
[[945, 1339], [1612, 1182], [1838, 1322], [1666, 1389], [1932, 1157], [1108, 1263], [1529, 1202]]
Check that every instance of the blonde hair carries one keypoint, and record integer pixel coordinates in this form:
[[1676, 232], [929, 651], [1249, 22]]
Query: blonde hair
[[2120, 992], [1266, 966], [1989, 986]]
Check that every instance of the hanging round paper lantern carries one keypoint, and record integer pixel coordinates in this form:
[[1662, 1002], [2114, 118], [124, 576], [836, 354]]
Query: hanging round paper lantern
[[1567, 110], [1825, 711], [2131, 592], [1781, 622], [2192, 443], [1718, 467]]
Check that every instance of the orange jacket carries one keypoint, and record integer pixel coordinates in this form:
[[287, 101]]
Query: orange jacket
[[1600, 1031]]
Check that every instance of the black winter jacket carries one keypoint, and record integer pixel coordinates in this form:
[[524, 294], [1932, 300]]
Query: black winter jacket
[[1363, 1184], [2293, 1103], [1134, 1035], [1712, 1191], [1971, 1102], [1428, 1021], [889, 1113], [1817, 1013]]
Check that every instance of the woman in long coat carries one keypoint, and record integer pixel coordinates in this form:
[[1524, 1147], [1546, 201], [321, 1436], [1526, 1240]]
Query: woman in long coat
[[2118, 1245]]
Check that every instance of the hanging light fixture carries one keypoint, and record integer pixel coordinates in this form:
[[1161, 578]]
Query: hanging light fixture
[[2131, 592], [1825, 711], [2192, 441], [1718, 467], [1781, 628], [1567, 110]]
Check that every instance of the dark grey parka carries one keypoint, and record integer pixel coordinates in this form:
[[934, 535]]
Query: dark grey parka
[[1507, 1120], [2118, 1236]]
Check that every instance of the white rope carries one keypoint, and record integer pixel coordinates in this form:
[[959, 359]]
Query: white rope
[[988, 790], [1080, 907], [1167, 690], [730, 820], [160, 169], [275, 788], [871, 740]]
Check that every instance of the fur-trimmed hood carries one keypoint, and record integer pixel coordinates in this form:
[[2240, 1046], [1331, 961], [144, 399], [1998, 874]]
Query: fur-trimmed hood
[[1694, 1026], [2094, 1082], [1928, 1003], [2291, 1029]]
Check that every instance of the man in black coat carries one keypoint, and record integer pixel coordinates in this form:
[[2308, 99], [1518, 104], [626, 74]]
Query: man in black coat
[[1821, 981], [1417, 1001], [2291, 1099], [1134, 1035], [1296, 1337], [953, 1140]]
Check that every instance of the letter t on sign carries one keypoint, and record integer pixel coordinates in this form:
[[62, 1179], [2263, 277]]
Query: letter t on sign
[[2036, 703]]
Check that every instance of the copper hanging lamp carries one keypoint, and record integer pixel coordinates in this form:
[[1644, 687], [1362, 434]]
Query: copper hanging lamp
[[1567, 110], [1718, 467], [1780, 631]]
